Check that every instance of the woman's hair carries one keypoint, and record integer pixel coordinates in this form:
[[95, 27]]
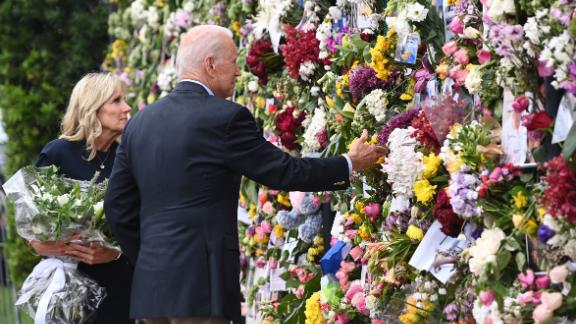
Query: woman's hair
[[80, 121]]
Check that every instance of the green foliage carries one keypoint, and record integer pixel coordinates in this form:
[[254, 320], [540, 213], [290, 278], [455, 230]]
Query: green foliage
[[47, 46]]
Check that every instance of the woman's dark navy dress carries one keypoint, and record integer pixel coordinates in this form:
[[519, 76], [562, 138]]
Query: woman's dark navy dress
[[115, 276]]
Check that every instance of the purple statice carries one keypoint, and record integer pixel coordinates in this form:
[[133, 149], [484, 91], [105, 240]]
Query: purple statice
[[402, 120], [363, 80], [545, 233], [396, 221], [463, 194], [451, 312]]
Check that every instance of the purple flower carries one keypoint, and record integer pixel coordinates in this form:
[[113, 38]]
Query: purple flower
[[463, 195], [545, 233], [477, 232], [557, 13], [363, 80], [182, 18], [422, 76], [513, 32], [401, 120], [504, 50], [451, 312]]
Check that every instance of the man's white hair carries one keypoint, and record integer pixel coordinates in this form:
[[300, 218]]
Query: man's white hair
[[198, 43]]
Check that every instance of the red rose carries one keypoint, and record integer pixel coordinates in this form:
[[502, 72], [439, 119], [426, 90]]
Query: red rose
[[451, 223], [539, 120]]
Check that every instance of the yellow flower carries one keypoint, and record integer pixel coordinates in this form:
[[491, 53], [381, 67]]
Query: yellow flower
[[241, 100], [242, 200], [520, 200], [431, 164], [454, 165], [160, 3], [405, 97], [364, 232], [442, 71], [260, 252], [236, 25], [356, 218], [373, 140], [541, 212], [260, 102], [127, 69], [284, 199], [525, 226], [252, 211], [119, 48], [359, 206], [410, 318], [415, 233], [151, 98], [424, 191], [278, 231], [330, 102], [318, 240], [381, 54], [313, 311], [453, 2]]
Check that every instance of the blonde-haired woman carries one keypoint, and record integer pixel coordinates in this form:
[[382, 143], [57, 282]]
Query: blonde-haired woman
[[91, 128]]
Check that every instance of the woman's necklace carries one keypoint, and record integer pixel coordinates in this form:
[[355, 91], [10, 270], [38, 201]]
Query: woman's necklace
[[102, 166]]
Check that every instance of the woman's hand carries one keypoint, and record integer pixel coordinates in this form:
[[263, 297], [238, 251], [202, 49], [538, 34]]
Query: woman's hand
[[50, 248], [92, 253]]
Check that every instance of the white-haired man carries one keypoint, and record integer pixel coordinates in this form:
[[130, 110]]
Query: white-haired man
[[173, 192]]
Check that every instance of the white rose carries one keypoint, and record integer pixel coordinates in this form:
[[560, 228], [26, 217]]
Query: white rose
[[335, 13], [63, 199], [473, 80], [471, 33], [253, 86], [475, 266]]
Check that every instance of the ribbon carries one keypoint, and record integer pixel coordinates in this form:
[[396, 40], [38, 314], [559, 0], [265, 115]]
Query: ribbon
[[43, 269]]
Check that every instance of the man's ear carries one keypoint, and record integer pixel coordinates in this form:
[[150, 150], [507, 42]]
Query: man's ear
[[209, 65]]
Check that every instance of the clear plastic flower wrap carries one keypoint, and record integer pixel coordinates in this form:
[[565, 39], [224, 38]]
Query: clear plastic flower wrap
[[56, 293], [49, 206]]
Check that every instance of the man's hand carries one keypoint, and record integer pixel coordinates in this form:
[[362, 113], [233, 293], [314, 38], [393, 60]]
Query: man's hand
[[364, 155]]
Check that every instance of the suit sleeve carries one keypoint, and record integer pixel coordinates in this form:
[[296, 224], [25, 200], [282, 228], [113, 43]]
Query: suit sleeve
[[251, 155], [122, 205]]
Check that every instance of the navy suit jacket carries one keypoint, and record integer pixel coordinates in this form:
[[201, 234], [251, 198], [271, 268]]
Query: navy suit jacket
[[173, 196]]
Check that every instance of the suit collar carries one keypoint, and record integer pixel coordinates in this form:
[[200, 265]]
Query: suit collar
[[187, 86]]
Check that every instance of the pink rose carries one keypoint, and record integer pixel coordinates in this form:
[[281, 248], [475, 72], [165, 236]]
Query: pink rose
[[260, 262], [273, 263], [266, 227], [487, 297], [558, 274], [542, 282], [458, 75], [299, 292], [520, 104], [354, 289], [461, 56], [341, 319], [347, 266], [541, 314], [372, 210], [484, 56], [456, 26], [351, 234], [526, 298], [356, 253], [359, 302], [526, 279], [449, 48]]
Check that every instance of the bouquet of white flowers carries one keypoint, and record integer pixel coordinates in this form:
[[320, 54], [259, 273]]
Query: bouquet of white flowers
[[49, 206]]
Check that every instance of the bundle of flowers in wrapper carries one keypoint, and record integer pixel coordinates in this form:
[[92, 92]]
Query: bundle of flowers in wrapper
[[49, 206]]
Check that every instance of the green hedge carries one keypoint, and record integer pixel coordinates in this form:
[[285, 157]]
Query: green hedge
[[46, 46]]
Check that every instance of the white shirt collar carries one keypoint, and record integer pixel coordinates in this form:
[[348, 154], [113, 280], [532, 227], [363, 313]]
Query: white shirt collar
[[200, 83]]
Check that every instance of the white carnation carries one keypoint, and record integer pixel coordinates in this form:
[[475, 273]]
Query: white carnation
[[377, 104], [473, 80], [317, 124], [307, 70], [253, 86]]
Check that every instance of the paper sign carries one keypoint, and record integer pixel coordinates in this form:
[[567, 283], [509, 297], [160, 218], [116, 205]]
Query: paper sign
[[564, 118], [514, 135], [243, 216], [438, 253], [407, 49]]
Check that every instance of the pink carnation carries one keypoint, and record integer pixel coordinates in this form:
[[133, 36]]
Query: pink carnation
[[461, 56], [449, 48]]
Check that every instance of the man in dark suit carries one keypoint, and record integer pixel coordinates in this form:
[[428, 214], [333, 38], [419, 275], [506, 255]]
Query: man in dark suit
[[173, 193]]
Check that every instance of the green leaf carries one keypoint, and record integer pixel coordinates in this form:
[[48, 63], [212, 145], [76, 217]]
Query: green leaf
[[526, 177], [502, 259], [570, 143], [520, 261]]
